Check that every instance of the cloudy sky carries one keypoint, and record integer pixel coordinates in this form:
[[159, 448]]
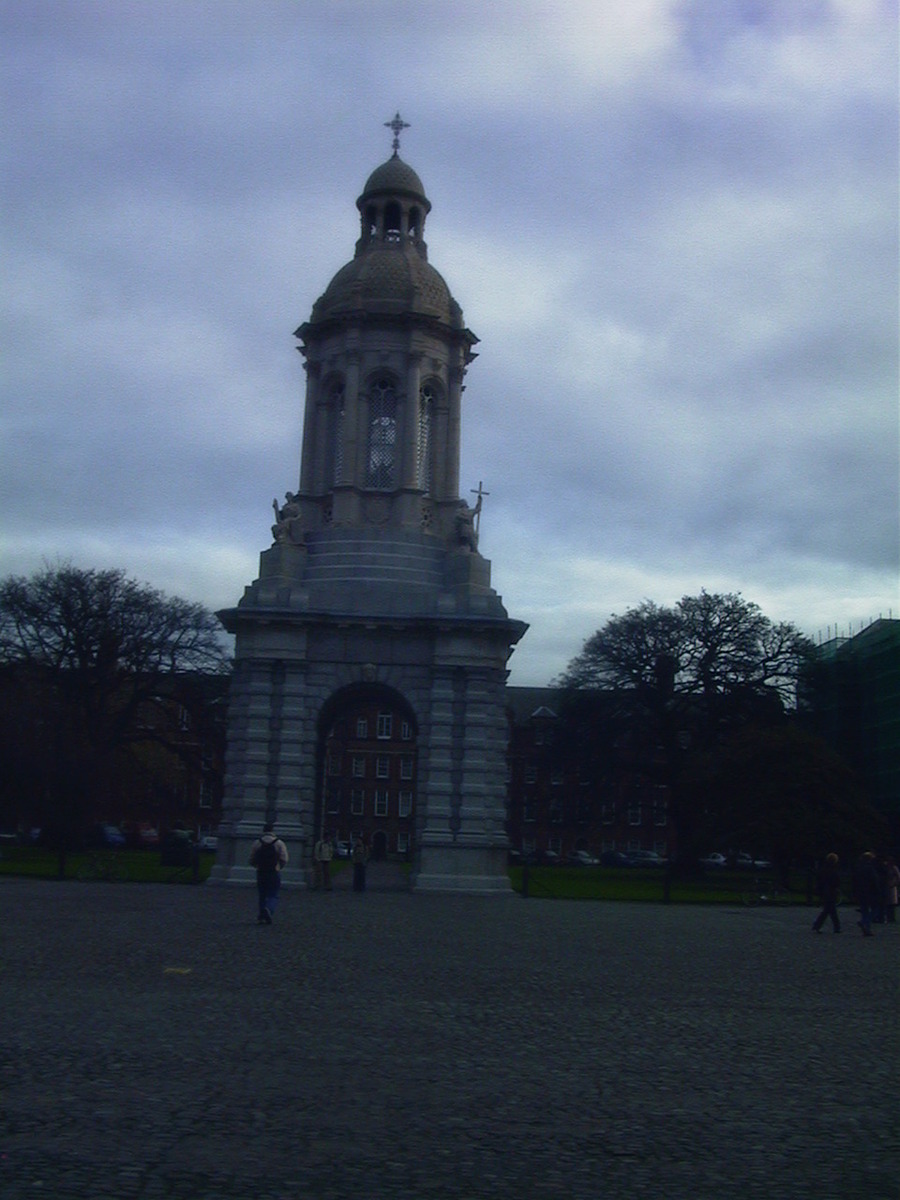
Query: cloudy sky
[[672, 224]]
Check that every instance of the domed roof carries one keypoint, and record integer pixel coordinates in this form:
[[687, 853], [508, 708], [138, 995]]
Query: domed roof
[[395, 176], [388, 279]]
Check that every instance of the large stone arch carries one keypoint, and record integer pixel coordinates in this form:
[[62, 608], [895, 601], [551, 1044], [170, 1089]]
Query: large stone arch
[[351, 802]]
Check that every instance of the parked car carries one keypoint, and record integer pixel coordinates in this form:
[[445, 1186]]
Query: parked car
[[613, 858], [714, 860], [645, 858], [748, 863], [208, 841], [551, 858], [147, 836], [106, 835], [342, 850], [581, 858]]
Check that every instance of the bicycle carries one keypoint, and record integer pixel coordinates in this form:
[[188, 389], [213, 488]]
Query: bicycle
[[107, 868], [762, 892]]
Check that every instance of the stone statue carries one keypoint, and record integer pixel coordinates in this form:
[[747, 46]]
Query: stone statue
[[283, 530], [466, 528]]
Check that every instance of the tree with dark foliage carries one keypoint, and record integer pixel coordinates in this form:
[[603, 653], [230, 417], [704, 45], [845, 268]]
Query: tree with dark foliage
[[90, 664]]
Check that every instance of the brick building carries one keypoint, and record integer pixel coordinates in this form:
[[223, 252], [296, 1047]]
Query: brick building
[[602, 794]]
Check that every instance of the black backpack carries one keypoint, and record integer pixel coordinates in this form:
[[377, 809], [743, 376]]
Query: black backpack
[[267, 857]]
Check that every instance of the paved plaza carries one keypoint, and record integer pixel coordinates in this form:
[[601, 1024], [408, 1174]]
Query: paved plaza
[[157, 1043]]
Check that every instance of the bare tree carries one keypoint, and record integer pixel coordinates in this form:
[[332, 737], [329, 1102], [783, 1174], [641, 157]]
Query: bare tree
[[707, 646]]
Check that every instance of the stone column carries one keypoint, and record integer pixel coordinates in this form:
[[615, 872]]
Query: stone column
[[353, 435], [308, 471], [410, 478]]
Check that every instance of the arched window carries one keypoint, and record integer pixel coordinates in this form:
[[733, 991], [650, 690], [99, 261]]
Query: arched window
[[381, 458], [335, 465], [413, 223], [428, 396], [392, 223]]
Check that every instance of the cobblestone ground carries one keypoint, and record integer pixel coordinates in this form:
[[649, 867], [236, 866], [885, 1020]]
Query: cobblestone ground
[[157, 1043]]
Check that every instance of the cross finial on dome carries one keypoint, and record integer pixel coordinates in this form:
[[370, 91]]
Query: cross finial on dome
[[397, 124]]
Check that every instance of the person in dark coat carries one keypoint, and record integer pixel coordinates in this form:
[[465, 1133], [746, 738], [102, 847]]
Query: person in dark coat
[[829, 888], [359, 857], [867, 888]]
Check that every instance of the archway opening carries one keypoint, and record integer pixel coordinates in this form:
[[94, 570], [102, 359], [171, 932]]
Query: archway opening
[[367, 772]]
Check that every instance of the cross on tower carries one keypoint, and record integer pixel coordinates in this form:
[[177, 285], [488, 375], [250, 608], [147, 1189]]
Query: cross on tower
[[397, 125], [480, 493]]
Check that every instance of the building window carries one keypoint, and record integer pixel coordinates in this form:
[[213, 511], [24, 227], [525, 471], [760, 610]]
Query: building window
[[334, 763], [405, 731], [556, 813], [362, 728], [385, 726], [634, 813], [381, 802], [357, 802], [334, 798], [382, 767], [405, 804], [359, 767], [528, 810], [531, 773], [402, 843], [382, 433], [607, 813], [406, 767], [660, 812]]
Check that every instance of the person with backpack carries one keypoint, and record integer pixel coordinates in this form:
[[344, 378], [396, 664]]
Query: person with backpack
[[269, 855]]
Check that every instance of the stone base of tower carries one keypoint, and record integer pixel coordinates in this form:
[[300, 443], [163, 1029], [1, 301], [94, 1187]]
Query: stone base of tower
[[474, 870]]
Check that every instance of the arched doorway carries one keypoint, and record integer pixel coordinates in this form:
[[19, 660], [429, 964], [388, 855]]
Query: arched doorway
[[367, 772]]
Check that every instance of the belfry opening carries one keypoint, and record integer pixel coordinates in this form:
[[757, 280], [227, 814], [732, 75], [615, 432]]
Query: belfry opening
[[373, 605]]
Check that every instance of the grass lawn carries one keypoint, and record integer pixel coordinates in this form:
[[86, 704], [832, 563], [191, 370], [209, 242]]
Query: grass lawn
[[625, 883], [555, 883], [135, 866]]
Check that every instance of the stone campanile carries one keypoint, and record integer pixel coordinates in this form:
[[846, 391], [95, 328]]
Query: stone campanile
[[373, 596]]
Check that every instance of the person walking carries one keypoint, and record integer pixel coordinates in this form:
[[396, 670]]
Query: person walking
[[323, 853], [867, 887], [269, 855], [360, 857], [828, 885]]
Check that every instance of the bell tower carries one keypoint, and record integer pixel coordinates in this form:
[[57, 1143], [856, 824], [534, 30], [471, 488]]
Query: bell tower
[[374, 586]]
